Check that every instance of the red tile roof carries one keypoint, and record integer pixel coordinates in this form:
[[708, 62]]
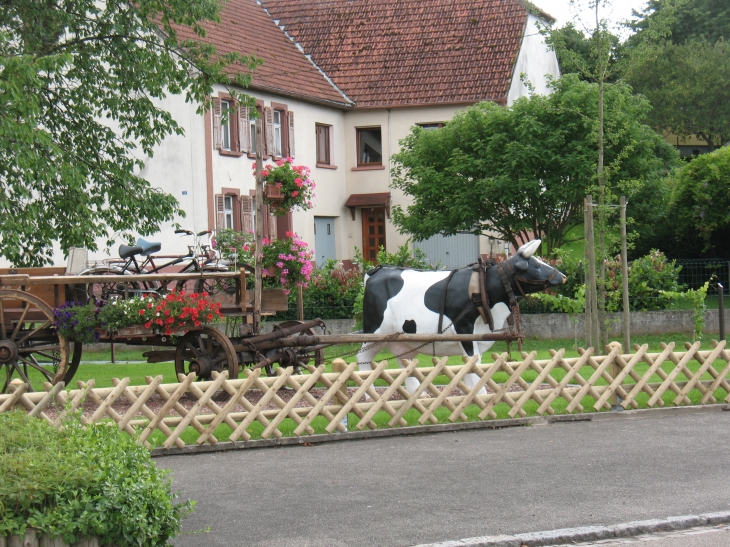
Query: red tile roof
[[246, 28], [407, 52]]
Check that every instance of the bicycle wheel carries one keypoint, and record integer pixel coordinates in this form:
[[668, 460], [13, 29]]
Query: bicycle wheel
[[99, 290]]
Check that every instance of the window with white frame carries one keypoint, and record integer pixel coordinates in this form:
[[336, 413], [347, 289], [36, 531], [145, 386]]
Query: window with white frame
[[228, 202], [226, 113], [277, 133]]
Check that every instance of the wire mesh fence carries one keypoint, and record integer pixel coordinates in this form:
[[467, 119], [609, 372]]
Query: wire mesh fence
[[696, 271]]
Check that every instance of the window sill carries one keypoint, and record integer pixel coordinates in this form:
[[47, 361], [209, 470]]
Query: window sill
[[369, 168], [326, 166], [230, 153]]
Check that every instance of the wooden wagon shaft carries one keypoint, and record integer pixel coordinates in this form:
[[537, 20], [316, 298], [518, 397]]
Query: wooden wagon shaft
[[329, 339]]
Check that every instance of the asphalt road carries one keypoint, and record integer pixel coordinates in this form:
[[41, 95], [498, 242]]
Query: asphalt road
[[409, 490]]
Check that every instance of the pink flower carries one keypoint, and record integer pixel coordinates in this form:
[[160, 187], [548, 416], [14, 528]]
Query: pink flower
[[264, 173], [294, 194], [298, 182]]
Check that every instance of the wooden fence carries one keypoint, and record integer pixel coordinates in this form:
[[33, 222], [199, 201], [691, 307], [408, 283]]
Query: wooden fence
[[290, 404]]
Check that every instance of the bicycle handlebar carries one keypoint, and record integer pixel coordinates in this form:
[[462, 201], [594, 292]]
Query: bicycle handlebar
[[204, 232], [186, 232]]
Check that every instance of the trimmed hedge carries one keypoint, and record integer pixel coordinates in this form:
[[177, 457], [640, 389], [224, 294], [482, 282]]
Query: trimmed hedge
[[83, 481]]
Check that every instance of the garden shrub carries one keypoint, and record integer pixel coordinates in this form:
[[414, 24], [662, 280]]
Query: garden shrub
[[92, 481]]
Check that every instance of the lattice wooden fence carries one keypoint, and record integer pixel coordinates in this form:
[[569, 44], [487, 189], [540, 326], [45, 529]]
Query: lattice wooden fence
[[584, 383]]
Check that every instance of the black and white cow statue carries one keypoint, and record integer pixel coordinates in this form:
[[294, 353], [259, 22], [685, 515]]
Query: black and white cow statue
[[412, 301]]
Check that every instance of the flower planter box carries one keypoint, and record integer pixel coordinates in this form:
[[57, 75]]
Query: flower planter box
[[273, 193], [140, 330]]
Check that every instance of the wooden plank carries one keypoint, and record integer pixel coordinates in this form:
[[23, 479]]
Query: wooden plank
[[266, 396], [170, 402], [542, 375], [642, 384], [356, 397], [76, 402], [332, 391], [301, 389], [47, 400], [669, 380], [693, 381], [426, 383], [619, 378], [590, 383], [196, 408], [561, 387], [505, 387], [138, 405], [457, 378], [473, 397], [388, 393], [229, 406]]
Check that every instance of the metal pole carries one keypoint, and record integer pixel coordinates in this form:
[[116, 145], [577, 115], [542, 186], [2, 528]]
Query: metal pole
[[259, 228], [625, 277], [721, 309]]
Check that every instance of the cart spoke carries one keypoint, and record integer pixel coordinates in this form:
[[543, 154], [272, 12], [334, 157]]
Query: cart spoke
[[26, 307], [8, 376], [34, 331], [2, 321], [34, 352], [36, 366], [192, 349]]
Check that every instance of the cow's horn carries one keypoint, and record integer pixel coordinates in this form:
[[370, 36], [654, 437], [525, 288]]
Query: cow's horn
[[529, 248]]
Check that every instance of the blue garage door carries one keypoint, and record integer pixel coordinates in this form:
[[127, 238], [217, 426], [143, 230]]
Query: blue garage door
[[452, 251]]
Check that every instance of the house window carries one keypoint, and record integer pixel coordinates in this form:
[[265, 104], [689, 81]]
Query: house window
[[369, 147], [226, 122], [430, 126], [324, 156], [227, 118], [228, 203], [277, 133]]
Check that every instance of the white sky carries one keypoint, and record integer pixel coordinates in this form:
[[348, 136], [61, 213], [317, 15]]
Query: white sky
[[617, 11]]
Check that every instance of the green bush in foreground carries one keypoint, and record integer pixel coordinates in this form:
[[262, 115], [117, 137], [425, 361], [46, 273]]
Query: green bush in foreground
[[92, 481]]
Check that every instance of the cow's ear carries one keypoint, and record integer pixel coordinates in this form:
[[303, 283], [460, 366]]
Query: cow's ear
[[521, 265]]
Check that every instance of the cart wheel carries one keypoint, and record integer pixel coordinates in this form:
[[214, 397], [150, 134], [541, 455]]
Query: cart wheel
[[30, 348], [104, 291], [204, 351], [300, 357]]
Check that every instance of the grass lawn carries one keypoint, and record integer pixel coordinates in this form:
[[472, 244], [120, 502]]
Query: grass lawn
[[95, 365]]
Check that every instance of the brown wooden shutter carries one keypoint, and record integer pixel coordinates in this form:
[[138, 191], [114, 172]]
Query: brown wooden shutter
[[220, 212], [247, 214], [283, 225], [269, 131], [244, 131], [291, 134], [217, 130]]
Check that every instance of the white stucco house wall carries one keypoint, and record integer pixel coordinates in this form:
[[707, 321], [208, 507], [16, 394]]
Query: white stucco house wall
[[346, 80]]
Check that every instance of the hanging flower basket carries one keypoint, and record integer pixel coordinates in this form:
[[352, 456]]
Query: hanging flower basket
[[273, 193], [287, 187]]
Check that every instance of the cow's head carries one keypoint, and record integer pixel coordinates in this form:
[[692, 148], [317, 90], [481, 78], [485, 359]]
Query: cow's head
[[530, 274]]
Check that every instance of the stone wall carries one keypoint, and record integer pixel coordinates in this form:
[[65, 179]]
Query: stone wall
[[550, 326]]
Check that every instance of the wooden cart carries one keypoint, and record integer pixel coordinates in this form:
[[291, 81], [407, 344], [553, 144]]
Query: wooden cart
[[33, 352]]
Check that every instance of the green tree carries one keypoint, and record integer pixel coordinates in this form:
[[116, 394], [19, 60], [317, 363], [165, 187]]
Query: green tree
[[576, 52], [524, 169], [80, 84], [681, 63], [700, 206]]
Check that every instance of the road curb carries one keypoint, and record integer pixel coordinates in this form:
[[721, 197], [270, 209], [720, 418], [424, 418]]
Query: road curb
[[428, 429], [590, 533]]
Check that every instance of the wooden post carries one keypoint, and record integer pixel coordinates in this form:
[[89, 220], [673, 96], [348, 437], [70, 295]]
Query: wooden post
[[591, 258], [625, 275], [259, 227], [339, 365], [587, 275], [721, 309], [300, 303], [114, 353]]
